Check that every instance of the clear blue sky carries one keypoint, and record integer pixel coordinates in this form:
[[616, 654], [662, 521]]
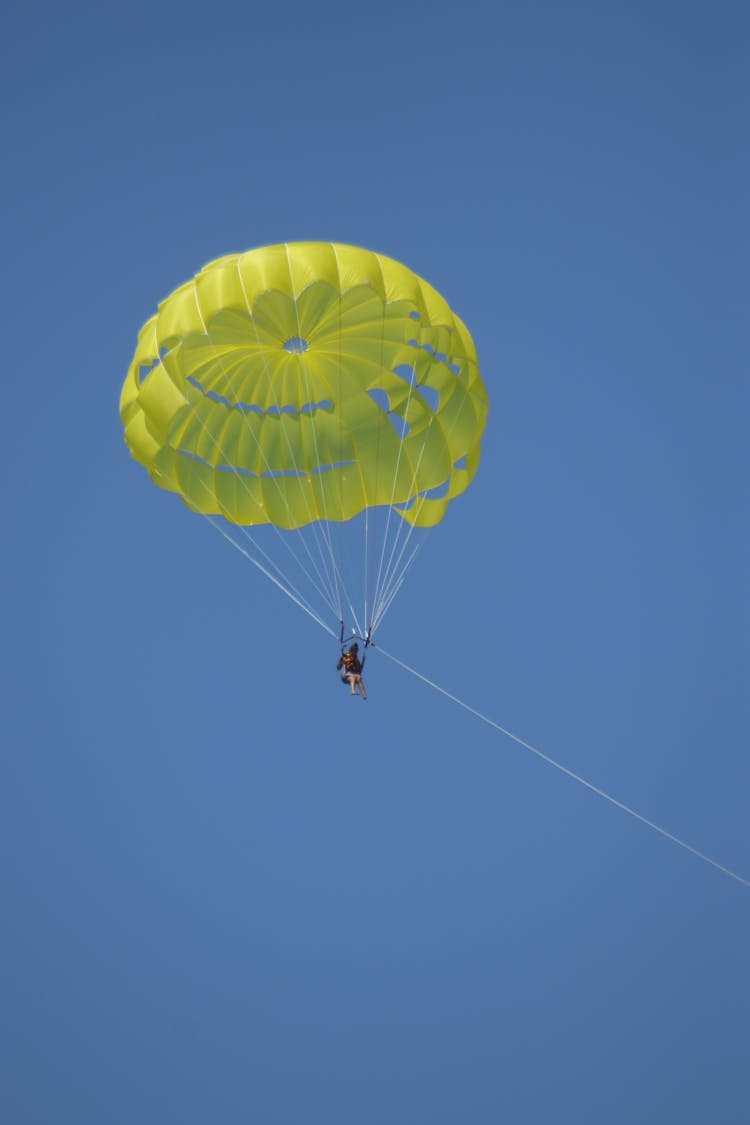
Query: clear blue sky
[[231, 894]]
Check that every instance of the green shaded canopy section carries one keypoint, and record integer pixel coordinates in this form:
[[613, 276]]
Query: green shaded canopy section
[[306, 381]]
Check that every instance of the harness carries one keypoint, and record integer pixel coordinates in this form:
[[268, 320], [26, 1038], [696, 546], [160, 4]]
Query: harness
[[350, 662], [367, 638]]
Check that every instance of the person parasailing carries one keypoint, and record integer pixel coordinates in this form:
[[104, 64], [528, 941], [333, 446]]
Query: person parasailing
[[351, 668]]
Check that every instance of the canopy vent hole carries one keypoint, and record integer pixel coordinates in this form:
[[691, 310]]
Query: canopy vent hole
[[296, 345]]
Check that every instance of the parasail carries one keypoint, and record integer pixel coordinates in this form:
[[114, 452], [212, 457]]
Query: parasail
[[317, 392]]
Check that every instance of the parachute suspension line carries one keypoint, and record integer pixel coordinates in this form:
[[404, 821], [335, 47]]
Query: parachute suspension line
[[568, 772], [342, 589], [393, 582], [398, 576], [324, 528], [355, 619], [396, 579], [393, 574], [386, 603], [284, 584], [330, 598], [282, 580], [367, 569], [371, 546], [340, 535], [289, 591], [412, 382]]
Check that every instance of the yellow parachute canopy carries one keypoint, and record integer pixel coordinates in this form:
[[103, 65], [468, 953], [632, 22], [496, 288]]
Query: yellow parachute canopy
[[302, 382]]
